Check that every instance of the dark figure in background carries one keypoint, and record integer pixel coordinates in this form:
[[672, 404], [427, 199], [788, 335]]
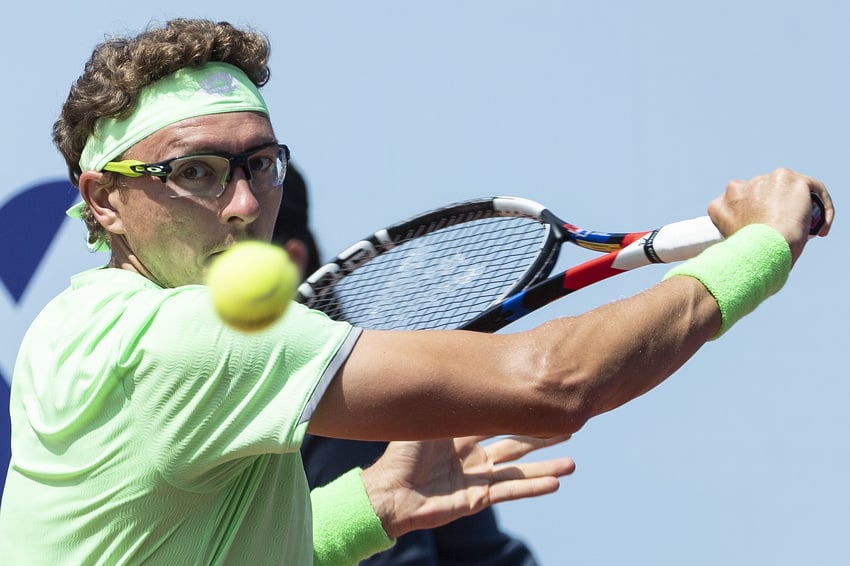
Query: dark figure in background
[[476, 539]]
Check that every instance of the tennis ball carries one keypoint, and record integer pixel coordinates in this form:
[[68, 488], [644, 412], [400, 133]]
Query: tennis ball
[[251, 284]]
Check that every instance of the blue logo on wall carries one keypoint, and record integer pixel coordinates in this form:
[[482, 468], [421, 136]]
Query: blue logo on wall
[[29, 222], [5, 430]]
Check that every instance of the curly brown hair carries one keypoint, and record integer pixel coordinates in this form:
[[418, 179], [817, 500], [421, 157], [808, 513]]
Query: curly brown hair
[[121, 66]]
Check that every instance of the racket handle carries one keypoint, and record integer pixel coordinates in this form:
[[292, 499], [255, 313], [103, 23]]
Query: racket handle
[[818, 215], [683, 240]]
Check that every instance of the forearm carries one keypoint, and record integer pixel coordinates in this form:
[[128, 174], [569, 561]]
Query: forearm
[[596, 366], [665, 326]]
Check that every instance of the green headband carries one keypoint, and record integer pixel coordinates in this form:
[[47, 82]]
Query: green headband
[[213, 88]]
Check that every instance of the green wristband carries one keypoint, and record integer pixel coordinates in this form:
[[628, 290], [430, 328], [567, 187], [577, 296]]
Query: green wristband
[[345, 527], [742, 271]]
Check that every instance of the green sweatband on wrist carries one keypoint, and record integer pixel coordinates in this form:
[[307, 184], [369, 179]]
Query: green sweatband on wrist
[[742, 271], [345, 527]]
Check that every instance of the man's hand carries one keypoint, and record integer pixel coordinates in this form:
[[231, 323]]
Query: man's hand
[[780, 199], [426, 484]]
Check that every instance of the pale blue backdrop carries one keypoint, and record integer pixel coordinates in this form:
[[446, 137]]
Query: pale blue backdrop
[[618, 115]]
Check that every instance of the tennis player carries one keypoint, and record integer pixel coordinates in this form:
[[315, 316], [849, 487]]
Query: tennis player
[[143, 430]]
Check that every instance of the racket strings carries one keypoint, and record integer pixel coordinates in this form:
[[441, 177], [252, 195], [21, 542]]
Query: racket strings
[[440, 279], [447, 221]]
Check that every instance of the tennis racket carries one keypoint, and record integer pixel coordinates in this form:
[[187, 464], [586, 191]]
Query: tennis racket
[[485, 263]]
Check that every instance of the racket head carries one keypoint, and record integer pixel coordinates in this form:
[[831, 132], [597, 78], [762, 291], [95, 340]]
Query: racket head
[[438, 269]]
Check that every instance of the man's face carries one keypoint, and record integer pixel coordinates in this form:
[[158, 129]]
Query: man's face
[[172, 240]]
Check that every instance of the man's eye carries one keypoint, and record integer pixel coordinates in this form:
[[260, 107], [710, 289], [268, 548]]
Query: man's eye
[[194, 171], [261, 163]]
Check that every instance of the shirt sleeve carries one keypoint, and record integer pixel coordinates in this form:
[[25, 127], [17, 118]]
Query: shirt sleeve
[[208, 398]]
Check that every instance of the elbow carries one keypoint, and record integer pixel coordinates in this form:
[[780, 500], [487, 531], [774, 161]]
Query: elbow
[[562, 394], [565, 407]]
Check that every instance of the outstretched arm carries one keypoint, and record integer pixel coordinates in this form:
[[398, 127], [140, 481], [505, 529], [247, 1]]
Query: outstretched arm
[[552, 379]]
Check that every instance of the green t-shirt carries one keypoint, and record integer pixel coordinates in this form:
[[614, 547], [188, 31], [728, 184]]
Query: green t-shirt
[[143, 429]]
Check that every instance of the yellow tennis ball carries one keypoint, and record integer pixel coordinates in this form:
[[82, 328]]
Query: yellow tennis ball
[[251, 284]]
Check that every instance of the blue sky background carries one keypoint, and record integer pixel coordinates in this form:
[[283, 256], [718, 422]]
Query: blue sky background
[[618, 115]]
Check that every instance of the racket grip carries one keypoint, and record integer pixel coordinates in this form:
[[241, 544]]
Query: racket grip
[[680, 241], [818, 215]]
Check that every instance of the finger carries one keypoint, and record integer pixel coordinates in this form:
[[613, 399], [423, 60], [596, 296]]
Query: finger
[[555, 467], [520, 489], [469, 440], [515, 447]]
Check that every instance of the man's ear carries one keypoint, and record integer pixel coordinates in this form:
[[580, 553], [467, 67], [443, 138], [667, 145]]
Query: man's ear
[[298, 253], [96, 192]]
